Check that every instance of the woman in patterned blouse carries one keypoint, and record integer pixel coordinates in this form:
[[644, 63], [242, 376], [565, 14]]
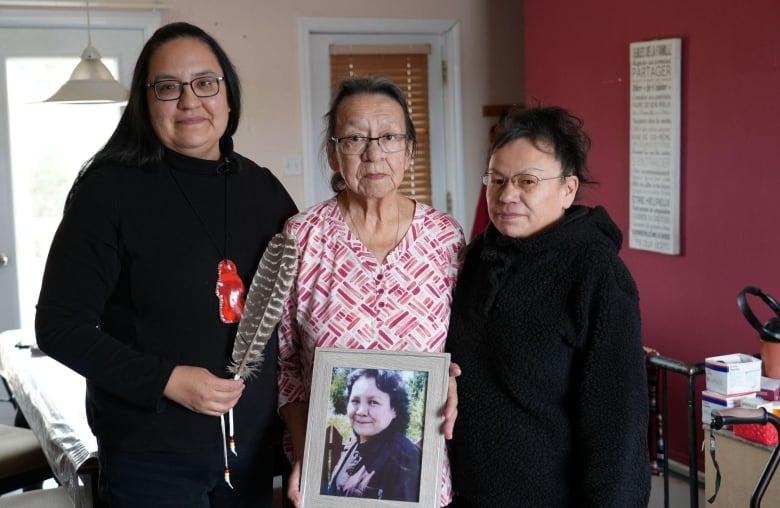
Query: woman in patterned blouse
[[376, 269]]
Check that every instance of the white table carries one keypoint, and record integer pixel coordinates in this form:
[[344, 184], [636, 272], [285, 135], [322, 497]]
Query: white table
[[51, 397]]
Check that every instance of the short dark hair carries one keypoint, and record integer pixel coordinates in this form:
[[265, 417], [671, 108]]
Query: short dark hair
[[550, 125], [134, 142], [372, 85], [390, 382]]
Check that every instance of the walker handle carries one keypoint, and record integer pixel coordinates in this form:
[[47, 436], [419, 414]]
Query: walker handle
[[737, 415]]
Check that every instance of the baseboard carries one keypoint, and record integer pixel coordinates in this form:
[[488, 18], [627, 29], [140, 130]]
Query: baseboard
[[680, 471]]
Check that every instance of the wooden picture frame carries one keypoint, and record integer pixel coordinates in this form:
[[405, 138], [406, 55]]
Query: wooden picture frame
[[424, 377]]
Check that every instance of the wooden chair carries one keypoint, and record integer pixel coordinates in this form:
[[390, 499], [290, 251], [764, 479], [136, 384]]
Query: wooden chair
[[22, 462]]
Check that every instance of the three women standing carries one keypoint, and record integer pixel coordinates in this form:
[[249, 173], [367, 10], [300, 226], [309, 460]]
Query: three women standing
[[545, 321]]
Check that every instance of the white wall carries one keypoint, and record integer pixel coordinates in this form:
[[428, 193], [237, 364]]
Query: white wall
[[261, 39]]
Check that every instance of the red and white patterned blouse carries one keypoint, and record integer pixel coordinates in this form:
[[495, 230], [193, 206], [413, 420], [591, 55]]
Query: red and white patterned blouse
[[343, 297]]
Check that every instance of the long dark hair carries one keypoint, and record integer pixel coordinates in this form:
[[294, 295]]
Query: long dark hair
[[390, 382], [134, 142], [371, 85]]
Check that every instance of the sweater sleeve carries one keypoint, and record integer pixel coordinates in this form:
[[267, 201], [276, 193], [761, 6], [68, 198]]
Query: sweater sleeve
[[613, 415], [81, 273]]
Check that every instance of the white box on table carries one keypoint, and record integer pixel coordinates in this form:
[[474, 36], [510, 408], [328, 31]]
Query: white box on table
[[756, 402], [733, 374], [714, 400]]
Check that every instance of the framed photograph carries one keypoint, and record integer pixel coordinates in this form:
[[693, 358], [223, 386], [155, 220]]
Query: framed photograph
[[373, 435]]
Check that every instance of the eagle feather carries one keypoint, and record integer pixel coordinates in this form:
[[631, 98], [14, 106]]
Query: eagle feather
[[264, 304]]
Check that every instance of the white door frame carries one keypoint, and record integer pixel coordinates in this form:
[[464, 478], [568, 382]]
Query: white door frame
[[449, 31]]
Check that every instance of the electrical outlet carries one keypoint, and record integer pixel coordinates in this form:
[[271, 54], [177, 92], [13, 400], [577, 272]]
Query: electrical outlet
[[292, 165]]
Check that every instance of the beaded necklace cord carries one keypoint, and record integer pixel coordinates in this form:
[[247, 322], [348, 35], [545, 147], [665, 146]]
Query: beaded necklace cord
[[230, 289]]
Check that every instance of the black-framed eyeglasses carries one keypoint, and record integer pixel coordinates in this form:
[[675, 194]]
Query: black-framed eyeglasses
[[171, 89], [520, 181], [356, 145]]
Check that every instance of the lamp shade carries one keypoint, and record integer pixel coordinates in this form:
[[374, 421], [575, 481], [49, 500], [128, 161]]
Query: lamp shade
[[90, 83]]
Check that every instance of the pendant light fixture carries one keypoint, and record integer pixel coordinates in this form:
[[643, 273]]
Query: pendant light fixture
[[90, 82]]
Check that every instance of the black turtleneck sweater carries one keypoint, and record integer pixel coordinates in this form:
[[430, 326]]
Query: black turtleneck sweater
[[129, 292], [553, 404]]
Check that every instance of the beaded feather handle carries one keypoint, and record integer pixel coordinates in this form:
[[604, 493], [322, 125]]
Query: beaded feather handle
[[264, 304], [262, 312]]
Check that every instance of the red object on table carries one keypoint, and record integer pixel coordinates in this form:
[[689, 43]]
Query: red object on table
[[764, 434]]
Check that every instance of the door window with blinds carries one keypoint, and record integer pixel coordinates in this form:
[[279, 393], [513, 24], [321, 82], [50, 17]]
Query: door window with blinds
[[407, 67]]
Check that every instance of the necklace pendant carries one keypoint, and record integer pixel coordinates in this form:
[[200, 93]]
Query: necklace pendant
[[230, 292]]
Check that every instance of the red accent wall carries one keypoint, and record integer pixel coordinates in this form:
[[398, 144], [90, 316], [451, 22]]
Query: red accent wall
[[577, 56]]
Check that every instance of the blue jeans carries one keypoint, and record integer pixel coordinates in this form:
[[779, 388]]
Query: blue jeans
[[180, 480]]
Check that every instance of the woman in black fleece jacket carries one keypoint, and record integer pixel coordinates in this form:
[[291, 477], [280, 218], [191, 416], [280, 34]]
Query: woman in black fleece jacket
[[553, 405]]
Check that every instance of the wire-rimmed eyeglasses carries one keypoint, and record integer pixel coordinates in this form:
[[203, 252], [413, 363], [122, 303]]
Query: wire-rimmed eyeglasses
[[520, 181], [171, 89], [356, 145]]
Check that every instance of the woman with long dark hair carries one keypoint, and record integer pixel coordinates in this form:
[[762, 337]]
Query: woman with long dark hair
[[144, 284]]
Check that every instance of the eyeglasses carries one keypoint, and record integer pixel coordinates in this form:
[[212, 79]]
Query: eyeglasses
[[522, 181], [356, 145], [171, 89]]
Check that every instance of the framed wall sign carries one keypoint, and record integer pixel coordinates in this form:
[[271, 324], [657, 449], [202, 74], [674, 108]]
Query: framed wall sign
[[654, 220], [373, 434]]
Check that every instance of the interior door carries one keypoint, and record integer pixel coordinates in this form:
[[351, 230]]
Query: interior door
[[42, 146]]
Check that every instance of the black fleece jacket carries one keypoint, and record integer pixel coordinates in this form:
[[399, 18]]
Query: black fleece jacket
[[553, 403]]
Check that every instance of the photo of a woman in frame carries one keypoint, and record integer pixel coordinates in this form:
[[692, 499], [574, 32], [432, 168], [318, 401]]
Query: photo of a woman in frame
[[379, 461]]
